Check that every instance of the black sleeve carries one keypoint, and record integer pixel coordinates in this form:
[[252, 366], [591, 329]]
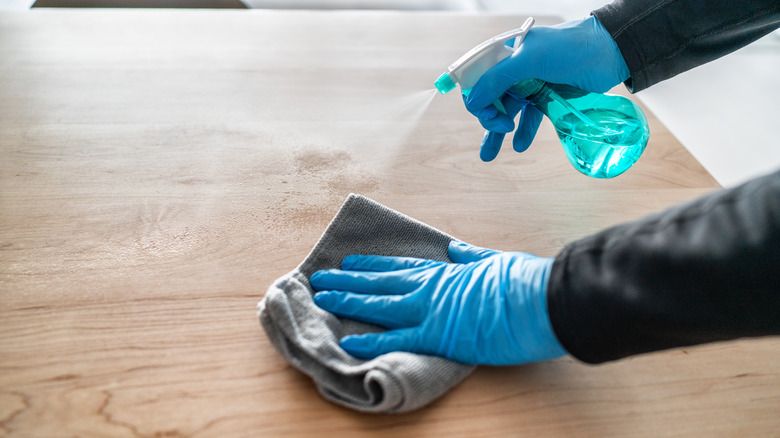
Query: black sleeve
[[662, 38], [704, 271]]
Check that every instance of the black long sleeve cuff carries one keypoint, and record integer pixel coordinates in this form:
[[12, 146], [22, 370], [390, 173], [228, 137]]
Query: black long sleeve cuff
[[705, 271]]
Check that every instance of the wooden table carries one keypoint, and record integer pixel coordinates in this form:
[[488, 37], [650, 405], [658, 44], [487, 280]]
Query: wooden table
[[160, 169]]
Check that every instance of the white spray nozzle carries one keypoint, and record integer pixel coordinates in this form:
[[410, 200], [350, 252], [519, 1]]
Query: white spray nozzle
[[467, 70]]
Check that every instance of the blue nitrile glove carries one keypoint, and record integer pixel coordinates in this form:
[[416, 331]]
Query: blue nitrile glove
[[578, 53], [487, 307]]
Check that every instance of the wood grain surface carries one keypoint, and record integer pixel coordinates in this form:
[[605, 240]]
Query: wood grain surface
[[159, 169]]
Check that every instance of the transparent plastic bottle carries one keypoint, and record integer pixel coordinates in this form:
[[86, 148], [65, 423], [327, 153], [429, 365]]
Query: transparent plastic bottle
[[603, 135]]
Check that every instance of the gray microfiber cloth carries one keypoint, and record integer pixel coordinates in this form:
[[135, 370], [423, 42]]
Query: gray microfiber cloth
[[308, 337]]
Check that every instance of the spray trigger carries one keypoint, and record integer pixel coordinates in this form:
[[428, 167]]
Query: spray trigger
[[467, 70]]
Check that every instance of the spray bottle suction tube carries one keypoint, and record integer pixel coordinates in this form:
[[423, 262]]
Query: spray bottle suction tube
[[603, 135]]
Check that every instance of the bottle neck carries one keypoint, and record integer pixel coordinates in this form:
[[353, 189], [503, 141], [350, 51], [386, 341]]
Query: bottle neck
[[532, 89]]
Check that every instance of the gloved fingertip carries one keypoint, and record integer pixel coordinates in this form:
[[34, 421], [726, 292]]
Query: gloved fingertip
[[323, 299], [315, 278], [456, 249], [491, 144], [488, 154], [460, 252], [349, 261], [522, 141], [457, 244]]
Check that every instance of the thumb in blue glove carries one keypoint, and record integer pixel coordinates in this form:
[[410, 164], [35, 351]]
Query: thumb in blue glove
[[578, 53], [487, 307]]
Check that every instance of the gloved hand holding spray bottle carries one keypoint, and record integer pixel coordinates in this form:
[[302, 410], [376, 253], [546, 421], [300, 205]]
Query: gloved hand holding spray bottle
[[603, 135]]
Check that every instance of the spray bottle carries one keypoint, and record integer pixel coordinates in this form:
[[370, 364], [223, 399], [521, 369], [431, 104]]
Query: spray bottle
[[602, 134]]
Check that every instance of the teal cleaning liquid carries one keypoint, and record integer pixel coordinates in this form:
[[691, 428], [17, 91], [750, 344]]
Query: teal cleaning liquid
[[599, 154], [603, 135]]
